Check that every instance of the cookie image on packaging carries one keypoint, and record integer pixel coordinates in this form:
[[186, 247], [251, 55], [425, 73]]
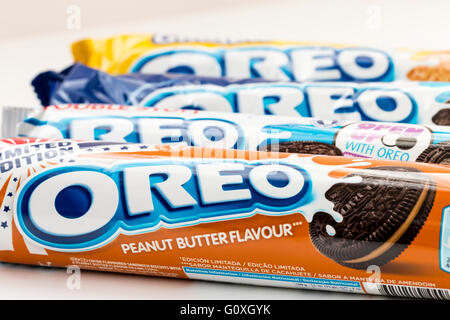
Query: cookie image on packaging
[[382, 214], [436, 153], [442, 118], [308, 147], [428, 73]]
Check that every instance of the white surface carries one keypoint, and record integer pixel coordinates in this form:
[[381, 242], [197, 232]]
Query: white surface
[[28, 282], [36, 38]]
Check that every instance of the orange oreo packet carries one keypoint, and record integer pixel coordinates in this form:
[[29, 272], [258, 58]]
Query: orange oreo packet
[[299, 221]]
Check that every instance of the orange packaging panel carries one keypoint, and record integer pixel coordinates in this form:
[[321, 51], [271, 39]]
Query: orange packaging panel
[[301, 221]]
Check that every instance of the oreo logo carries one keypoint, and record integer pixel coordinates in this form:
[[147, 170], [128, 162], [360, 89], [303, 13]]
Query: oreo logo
[[341, 102], [270, 62], [80, 208]]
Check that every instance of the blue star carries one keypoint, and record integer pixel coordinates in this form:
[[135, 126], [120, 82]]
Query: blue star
[[4, 225], [15, 179], [6, 208], [124, 148], [106, 149], [10, 194], [143, 147]]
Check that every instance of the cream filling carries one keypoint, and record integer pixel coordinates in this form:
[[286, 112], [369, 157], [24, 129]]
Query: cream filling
[[398, 234]]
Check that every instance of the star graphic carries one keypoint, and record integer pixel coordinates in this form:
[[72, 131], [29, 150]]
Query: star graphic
[[6, 208], [15, 179], [106, 149], [143, 147], [4, 225], [124, 148], [90, 150], [10, 194]]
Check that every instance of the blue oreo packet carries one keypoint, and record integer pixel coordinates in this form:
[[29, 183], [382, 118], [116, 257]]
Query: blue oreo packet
[[81, 84], [399, 102]]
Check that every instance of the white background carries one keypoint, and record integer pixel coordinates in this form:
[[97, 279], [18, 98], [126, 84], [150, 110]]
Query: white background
[[35, 36]]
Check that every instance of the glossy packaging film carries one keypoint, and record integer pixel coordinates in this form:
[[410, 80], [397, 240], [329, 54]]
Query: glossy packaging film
[[405, 102], [275, 60], [277, 219], [118, 123]]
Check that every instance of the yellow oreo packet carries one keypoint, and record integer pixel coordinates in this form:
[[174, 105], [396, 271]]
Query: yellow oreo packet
[[272, 60], [117, 54]]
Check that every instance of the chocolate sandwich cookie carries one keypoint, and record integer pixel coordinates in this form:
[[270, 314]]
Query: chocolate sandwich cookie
[[308, 147], [442, 118], [437, 153], [382, 214]]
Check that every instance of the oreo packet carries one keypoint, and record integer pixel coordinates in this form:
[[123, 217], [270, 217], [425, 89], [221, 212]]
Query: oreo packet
[[274, 219], [118, 123], [275, 60], [403, 102]]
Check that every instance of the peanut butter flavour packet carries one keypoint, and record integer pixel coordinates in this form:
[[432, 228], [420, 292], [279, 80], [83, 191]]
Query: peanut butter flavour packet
[[275, 60], [276, 219]]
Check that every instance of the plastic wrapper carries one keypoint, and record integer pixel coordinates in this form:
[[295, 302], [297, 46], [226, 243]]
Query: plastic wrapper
[[276, 219], [275, 60], [382, 140], [404, 102]]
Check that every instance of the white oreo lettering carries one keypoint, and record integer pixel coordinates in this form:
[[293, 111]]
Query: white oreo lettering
[[251, 100], [402, 108], [153, 131], [377, 64], [314, 64], [341, 102], [138, 192], [271, 62], [212, 133], [104, 195], [86, 206], [268, 64], [324, 101], [225, 135], [211, 183]]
